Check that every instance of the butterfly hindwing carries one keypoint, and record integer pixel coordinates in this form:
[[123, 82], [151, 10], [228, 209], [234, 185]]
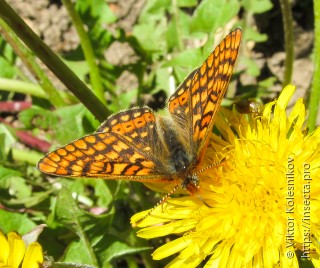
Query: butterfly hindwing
[[179, 103]]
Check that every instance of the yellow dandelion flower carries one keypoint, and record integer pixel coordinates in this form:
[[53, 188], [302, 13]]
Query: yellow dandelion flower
[[260, 207], [15, 252]]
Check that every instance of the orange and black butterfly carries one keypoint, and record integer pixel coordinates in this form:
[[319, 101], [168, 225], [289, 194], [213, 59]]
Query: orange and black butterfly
[[139, 145]]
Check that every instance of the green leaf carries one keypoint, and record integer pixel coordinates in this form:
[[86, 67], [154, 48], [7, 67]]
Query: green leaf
[[11, 181], [185, 63], [7, 70], [79, 67], [252, 67], [154, 10], [38, 117], [17, 187], [8, 139], [109, 249], [102, 191], [211, 14], [177, 30], [257, 7], [151, 36], [71, 265], [70, 123], [95, 246], [186, 3], [101, 9], [90, 123], [116, 249], [126, 99], [162, 80], [124, 102], [7, 51], [77, 252], [2, 147], [18, 222], [268, 82], [32, 200], [265, 85], [95, 14], [90, 229], [7, 60], [252, 35], [7, 172]]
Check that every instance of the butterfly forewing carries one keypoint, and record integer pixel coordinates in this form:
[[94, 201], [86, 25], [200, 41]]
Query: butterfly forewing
[[200, 95], [137, 125], [209, 86], [103, 154], [126, 144]]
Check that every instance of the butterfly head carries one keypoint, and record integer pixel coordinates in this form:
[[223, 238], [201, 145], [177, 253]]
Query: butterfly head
[[191, 183]]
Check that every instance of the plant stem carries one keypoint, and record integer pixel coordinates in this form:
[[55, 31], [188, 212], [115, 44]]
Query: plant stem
[[315, 89], [95, 77], [289, 40], [54, 63], [31, 89], [29, 60]]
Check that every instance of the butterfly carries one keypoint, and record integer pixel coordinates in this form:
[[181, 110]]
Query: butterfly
[[139, 145]]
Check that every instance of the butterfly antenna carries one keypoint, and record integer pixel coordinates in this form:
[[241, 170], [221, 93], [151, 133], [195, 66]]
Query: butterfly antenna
[[208, 167], [162, 201], [202, 170]]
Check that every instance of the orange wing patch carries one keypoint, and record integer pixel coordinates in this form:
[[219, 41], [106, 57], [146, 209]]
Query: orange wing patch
[[97, 155], [127, 122], [179, 101], [209, 86], [137, 125]]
